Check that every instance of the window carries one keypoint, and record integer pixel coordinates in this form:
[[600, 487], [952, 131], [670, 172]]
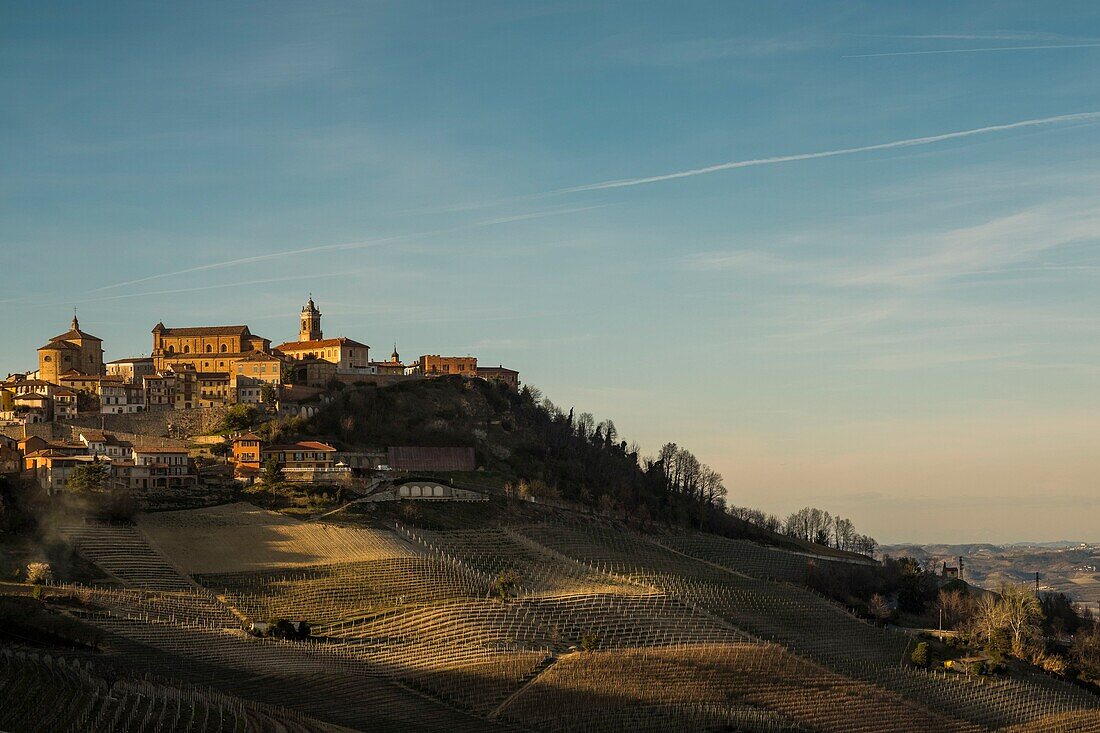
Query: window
[[171, 349], [209, 348], [225, 348], [47, 358], [186, 349]]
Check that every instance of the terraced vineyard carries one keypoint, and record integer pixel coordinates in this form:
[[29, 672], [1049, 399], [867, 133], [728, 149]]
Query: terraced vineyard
[[601, 629]]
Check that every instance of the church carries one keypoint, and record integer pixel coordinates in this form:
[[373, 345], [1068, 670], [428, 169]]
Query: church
[[73, 351], [350, 357]]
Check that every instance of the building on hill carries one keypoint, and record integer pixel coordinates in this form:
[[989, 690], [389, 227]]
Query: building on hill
[[313, 372], [132, 369], [73, 350], [207, 349], [349, 356], [434, 365], [246, 451], [121, 398], [160, 390], [250, 373], [509, 377], [391, 367], [65, 403]]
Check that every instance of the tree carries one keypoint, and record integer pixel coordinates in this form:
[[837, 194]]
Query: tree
[[879, 608], [269, 393], [89, 478], [919, 656], [272, 475], [506, 583], [39, 572], [954, 607], [1010, 619]]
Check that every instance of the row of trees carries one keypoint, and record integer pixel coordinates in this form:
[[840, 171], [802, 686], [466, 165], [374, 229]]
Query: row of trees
[[812, 525]]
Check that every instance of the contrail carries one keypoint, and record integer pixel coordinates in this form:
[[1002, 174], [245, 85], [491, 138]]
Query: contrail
[[971, 50], [911, 142], [346, 245]]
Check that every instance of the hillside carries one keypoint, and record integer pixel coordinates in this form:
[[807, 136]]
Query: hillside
[[518, 436], [485, 617]]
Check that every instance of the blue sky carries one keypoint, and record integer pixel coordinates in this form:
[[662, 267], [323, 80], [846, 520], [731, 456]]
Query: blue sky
[[907, 335]]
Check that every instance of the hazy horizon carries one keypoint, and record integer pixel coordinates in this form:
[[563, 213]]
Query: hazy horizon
[[846, 254]]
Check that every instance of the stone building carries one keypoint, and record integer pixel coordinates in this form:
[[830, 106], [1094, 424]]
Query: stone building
[[434, 365], [207, 349], [72, 351], [350, 357]]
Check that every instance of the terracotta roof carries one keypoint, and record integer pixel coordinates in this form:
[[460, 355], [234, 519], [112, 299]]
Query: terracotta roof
[[148, 449], [206, 331], [59, 346], [248, 436], [63, 392], [319, 344], [302, 445], [75, 333], [32, 396], [258, 356], [132, 360]]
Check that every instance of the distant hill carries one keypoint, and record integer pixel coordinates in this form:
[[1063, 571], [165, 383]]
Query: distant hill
[[1067, 567]]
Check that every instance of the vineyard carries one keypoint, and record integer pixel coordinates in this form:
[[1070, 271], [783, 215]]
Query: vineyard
[[597, 628]]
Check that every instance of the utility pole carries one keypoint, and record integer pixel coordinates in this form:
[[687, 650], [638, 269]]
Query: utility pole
[[1036, 583]]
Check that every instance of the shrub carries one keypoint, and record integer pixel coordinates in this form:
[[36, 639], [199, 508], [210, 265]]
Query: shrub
[[38, 593], [589, 641], [39, 572], [919, 656]]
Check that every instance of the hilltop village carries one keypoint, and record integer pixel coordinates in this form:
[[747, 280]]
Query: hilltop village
[[49, 415]]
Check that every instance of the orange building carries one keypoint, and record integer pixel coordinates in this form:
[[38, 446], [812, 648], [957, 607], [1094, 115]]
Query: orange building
[[207, 349], [434, 365]]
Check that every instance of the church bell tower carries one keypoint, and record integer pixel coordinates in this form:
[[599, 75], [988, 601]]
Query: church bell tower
[[311, 322]]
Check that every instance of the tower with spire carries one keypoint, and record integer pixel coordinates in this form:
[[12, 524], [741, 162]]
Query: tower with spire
[[310, 329]]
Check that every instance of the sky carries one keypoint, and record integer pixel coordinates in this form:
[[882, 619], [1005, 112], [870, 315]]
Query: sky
[[846, 253]]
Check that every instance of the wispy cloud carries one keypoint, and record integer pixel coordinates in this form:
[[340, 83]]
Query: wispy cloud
[[906, 143], [984, 49]]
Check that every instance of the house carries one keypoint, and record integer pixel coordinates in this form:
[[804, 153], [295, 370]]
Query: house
[[509, 377], [246, 450], [132, 369], [434, 365], [64, 403], [105, 444], [250, 373], [160, 390], [304, 454], [158, 468], [51, 468], [121, 398]]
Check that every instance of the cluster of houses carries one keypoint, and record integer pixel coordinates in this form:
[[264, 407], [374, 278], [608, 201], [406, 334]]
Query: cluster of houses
[[208, 366], [139, 468], [145, 465]]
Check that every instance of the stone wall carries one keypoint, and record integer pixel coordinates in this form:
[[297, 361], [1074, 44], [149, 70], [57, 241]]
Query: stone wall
[[162, 423]]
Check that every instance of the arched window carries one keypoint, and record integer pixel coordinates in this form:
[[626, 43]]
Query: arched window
[[225, 348], [171, 349], [209, 348], [187, 349]]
